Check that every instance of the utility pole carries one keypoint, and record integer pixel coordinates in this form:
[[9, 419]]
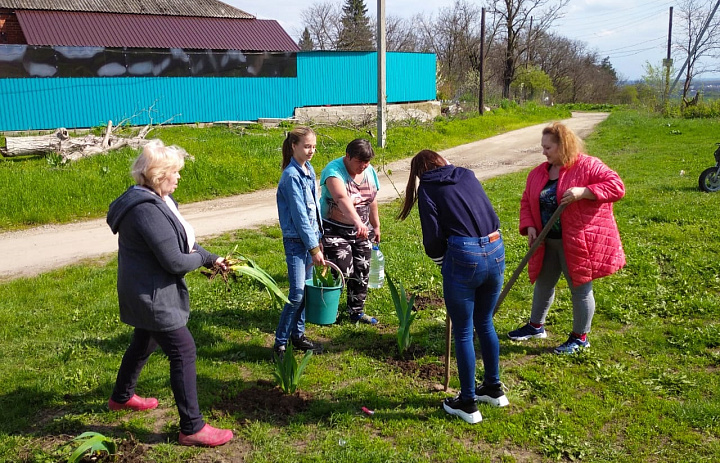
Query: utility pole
[[697, 44], [481, 101], [381, 96], [667, 62]]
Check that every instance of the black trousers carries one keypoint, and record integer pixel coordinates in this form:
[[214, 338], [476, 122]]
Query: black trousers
[[343, 248], [179, 346]]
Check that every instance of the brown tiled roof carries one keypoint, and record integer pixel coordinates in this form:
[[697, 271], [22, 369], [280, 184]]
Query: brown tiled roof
[[60, 28], [199, 8]]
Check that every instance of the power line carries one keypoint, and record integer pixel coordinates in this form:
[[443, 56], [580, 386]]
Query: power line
[[634, 45]]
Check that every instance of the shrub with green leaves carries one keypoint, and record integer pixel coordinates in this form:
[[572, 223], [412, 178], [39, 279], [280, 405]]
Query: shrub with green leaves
[[405, 314], [288, 372]]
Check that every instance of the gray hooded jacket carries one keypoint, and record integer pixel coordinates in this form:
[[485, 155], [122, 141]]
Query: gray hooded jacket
[[153, 258]]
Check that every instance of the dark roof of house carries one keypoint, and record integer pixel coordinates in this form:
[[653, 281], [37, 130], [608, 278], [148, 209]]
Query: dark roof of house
[[198, 8], [61, 28]]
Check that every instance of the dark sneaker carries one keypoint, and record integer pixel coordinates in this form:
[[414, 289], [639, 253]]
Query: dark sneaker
[[304, 344], [363, 318], [491, 394], [572, 345], [465, 409], [527, 332], [279, 353]]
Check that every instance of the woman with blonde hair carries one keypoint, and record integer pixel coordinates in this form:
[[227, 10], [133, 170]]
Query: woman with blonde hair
[[583, 245], [157, 247]]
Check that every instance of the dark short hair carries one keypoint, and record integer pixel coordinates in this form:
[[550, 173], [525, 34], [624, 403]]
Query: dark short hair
[[360, 149]]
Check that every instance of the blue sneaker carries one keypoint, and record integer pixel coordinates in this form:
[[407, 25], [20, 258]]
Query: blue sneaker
[[527, 332], [572, 345], [363, 318]]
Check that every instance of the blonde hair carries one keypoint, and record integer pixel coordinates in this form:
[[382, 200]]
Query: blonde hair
[[154, 163], [569, 144]]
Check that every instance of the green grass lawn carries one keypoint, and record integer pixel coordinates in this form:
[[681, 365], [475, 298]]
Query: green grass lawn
[[647, 390]]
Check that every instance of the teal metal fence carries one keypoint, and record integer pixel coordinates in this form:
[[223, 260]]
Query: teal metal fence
[[323, 78]]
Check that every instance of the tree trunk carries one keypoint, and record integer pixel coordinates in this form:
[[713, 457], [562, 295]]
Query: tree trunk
[[28, 146]]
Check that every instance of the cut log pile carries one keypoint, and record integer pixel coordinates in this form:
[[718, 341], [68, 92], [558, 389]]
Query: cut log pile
[[72, 148]]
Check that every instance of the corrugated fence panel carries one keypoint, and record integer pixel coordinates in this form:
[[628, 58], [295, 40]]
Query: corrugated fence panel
[[410, 77], [324, 78], [29, 104], [337, 78]]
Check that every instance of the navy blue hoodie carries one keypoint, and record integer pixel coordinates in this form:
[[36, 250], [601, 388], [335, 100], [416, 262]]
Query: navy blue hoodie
[[452, 202]]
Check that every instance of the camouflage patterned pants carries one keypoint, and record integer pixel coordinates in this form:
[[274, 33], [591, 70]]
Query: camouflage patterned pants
[[352, 255]]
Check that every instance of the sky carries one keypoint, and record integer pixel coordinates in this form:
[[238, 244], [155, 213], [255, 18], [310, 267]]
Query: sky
[[629, 32]]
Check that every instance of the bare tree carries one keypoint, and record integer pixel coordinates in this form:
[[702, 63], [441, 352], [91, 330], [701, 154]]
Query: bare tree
[[454, 37], [400, 34], [693, 15], [322, 21], [514, 17], [578, 74]]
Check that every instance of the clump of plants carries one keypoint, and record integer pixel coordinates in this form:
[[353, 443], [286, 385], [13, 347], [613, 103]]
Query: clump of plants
[[92, 443], [323, 276], [404, 311], [239, 266], [287, 370]]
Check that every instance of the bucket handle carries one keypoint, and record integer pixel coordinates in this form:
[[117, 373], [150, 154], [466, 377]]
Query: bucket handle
[[331, 264]]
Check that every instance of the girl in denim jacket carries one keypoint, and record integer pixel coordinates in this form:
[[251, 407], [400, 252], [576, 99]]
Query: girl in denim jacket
[[299, 213]]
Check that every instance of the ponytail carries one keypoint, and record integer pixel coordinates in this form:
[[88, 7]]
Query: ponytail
[[293, 137]]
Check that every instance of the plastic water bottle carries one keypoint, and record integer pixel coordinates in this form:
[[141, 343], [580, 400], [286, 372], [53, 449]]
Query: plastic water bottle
[[377, 268]]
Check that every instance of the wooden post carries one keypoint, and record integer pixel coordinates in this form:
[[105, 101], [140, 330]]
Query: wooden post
[[448, 341]]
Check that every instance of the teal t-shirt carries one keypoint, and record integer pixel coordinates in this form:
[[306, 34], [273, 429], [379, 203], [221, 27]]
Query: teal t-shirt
[[362, 194]]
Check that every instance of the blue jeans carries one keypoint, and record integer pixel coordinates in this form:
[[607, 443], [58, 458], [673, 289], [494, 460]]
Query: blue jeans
[[292, 318], [473, 273]]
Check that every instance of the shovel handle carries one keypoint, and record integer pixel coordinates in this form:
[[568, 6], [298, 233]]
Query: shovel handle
[[536, 244]]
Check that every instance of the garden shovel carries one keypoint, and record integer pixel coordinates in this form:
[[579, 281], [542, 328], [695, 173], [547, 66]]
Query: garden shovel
[[536, 244]]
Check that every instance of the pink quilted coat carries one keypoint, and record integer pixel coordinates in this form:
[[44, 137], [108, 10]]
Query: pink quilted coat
[[591, 240]]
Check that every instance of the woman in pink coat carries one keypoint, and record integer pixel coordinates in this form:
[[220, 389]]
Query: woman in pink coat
[[583, 245]]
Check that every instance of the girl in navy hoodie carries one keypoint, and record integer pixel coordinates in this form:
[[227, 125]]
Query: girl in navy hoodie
[[461, 234]]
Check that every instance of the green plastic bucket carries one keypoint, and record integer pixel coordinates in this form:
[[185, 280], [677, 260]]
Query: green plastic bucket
[[321, 303]]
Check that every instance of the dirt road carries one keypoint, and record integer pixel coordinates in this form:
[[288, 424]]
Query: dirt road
[[34, 251]]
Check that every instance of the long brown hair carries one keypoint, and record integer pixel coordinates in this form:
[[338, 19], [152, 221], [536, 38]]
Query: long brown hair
[[293, 137], [569, 144], [422, 162]]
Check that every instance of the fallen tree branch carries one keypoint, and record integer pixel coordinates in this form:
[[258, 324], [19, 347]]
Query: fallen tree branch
[[73, 148]]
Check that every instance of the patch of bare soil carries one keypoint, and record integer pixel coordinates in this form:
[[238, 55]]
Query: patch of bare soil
[[428, 302], [265, 401], [427, 371]]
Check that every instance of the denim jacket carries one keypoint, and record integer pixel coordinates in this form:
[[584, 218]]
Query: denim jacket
[[298, 205]]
